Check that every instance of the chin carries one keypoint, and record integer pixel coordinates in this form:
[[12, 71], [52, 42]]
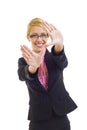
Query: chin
[[37, 50]]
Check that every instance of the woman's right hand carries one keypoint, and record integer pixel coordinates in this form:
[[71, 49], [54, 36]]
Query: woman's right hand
[[33, 59]]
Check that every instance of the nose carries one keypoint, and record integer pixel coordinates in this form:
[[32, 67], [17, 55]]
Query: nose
[[39, 38]]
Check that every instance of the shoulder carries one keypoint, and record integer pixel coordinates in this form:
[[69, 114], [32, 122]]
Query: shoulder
[[21, 61]]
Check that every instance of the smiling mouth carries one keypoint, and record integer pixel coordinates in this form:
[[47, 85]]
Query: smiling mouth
[[40, 44]]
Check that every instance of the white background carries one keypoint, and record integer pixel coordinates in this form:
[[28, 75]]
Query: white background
[[70, 17]]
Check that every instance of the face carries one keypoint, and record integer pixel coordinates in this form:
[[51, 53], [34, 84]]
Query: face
[[38, 38]]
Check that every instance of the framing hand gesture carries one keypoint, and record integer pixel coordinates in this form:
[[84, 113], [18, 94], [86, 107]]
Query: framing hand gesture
[[32, 58], [55, 35]]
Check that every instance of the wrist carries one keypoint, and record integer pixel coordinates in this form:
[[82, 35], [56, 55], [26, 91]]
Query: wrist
[[58, 47], [32, 69]]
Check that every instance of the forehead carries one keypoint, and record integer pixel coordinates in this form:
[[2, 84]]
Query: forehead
[[37, 29]]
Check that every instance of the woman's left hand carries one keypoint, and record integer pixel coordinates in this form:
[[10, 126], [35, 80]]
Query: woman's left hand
[[54, 33]]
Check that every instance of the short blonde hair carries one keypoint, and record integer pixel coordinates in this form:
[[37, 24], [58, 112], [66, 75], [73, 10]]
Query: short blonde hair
[[33, 22]]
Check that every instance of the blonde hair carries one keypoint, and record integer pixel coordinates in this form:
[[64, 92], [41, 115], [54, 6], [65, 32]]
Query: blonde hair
[[33, 22]]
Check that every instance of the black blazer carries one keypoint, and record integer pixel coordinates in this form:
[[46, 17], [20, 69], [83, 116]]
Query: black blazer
[[42, 103]]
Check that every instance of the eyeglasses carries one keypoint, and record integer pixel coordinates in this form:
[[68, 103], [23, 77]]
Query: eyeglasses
[[36, 36]]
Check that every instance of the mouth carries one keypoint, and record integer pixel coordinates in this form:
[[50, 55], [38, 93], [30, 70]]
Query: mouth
[[40, 44]]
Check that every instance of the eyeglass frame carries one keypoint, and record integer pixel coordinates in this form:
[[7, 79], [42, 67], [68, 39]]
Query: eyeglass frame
[[36, 36]]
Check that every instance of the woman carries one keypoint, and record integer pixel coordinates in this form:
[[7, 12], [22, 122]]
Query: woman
[[43, 73]]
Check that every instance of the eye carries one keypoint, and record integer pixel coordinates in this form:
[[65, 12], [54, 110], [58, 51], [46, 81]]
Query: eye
[[33, 36], [44, 35]]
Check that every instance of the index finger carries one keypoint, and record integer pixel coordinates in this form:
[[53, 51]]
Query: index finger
[[26, 49]]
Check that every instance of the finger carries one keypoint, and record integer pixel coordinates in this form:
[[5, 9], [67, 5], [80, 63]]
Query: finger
[[48, 27], [25, 55], [52, 27], [42, 51], [25, 58], [49, 44], [26, 50]]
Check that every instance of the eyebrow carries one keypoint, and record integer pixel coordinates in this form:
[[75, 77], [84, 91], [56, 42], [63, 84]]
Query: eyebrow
[[38, 34]]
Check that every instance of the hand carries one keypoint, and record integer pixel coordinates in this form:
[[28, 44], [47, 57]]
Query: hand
[[32, 58], [55, 35]]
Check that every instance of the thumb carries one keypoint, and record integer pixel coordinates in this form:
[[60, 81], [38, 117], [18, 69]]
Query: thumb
[[42, 53], [48, 44]]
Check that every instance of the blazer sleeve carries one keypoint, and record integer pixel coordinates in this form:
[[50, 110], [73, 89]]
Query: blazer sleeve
[[59, 58], [23, 72]]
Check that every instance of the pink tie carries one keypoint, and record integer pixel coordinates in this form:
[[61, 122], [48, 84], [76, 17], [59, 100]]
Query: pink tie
[[43, 75]]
